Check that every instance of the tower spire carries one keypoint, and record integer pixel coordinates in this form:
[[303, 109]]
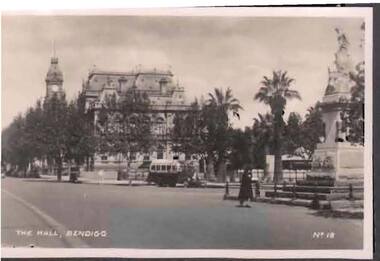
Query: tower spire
[[53, 48], [54, 58]]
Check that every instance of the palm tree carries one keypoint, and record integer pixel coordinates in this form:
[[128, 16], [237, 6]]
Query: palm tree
[[275, 92], [218, 108], [224, 103]]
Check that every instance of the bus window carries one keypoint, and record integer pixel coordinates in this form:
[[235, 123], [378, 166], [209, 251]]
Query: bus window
[[168, 168], [154, 168], [163, 168]]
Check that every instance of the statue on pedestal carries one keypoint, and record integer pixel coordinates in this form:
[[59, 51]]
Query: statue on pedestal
[[343, 61], [335, 157]]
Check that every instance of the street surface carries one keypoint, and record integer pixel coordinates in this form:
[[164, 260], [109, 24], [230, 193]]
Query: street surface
[[51, 214]]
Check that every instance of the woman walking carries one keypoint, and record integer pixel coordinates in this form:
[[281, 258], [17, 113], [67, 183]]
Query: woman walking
[[245, 192]]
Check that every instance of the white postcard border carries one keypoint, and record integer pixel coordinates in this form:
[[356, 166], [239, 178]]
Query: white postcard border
[[365, 253]]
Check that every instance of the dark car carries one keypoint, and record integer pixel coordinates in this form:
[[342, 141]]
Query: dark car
[[194, 182]]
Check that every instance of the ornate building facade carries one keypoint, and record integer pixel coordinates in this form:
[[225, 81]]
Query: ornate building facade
[[166, 98]]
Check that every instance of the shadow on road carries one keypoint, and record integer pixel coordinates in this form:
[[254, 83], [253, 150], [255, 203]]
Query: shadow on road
[[327, 213], [50, 181]]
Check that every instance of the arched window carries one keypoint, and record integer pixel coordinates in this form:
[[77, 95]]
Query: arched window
[[160, 126]]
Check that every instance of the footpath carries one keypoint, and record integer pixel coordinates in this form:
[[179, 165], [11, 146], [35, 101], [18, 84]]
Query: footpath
[[110, 180]]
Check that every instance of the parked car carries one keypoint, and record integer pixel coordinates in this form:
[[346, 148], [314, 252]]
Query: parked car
[[194, 182]]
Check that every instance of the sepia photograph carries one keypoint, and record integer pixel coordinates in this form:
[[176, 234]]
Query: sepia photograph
[[188, 132]]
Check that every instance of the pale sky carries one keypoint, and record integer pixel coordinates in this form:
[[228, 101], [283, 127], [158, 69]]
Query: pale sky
[[203, 52]]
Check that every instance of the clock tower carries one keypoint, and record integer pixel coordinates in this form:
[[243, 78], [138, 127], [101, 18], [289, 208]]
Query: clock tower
[[54, 80]]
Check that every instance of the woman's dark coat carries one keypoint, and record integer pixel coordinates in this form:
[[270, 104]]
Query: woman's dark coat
[[246, 192]]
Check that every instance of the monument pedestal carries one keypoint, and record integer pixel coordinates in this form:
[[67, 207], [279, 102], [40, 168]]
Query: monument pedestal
[[341, 161]]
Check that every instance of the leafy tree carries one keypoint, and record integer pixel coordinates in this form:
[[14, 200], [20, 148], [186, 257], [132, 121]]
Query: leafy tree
[[123, 124], [108, 126], [189, 133], [23, 140], [81, 141], [275, 92], [262, 136], [353, 113], [13, 145], [241, 148], [292, 133], [135, 112], [206, 130], [55, 118], [34, 135], [312, 129]]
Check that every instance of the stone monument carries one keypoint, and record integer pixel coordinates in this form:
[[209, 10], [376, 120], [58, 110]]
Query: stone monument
[[335, 157]]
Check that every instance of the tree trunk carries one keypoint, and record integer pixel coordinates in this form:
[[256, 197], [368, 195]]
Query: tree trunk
[[221, 170], [278, 166], [25, 169], [92, 163], [59, 170], [87, 163], [119, 173], [210, 168], [278, 149]]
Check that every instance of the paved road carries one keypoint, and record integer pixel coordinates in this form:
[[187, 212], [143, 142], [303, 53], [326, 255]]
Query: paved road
[[153, 217]]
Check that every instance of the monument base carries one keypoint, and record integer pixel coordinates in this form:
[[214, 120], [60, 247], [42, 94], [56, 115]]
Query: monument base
[[340, 161]]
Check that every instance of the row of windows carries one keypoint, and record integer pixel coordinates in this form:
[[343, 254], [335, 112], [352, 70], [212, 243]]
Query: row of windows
[[164, 168], [160, 155]]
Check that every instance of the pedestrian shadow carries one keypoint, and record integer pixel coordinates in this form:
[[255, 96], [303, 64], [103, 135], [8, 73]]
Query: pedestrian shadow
[[243, 206]]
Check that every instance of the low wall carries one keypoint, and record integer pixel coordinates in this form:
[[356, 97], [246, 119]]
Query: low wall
[[288, 175]]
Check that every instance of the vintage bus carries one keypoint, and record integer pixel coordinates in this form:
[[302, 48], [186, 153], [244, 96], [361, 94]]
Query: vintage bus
[[165, 172]]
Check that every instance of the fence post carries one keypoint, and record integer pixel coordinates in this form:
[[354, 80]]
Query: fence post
[[294, 191]]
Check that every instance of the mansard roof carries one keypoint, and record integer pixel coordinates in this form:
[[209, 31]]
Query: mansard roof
[[143, 80]]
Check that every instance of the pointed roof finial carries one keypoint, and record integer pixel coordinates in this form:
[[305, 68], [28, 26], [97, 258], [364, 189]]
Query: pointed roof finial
[[54, 48], [54, 59]]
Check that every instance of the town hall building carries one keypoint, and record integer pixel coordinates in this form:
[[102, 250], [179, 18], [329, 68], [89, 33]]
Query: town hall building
[[166, 98]]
